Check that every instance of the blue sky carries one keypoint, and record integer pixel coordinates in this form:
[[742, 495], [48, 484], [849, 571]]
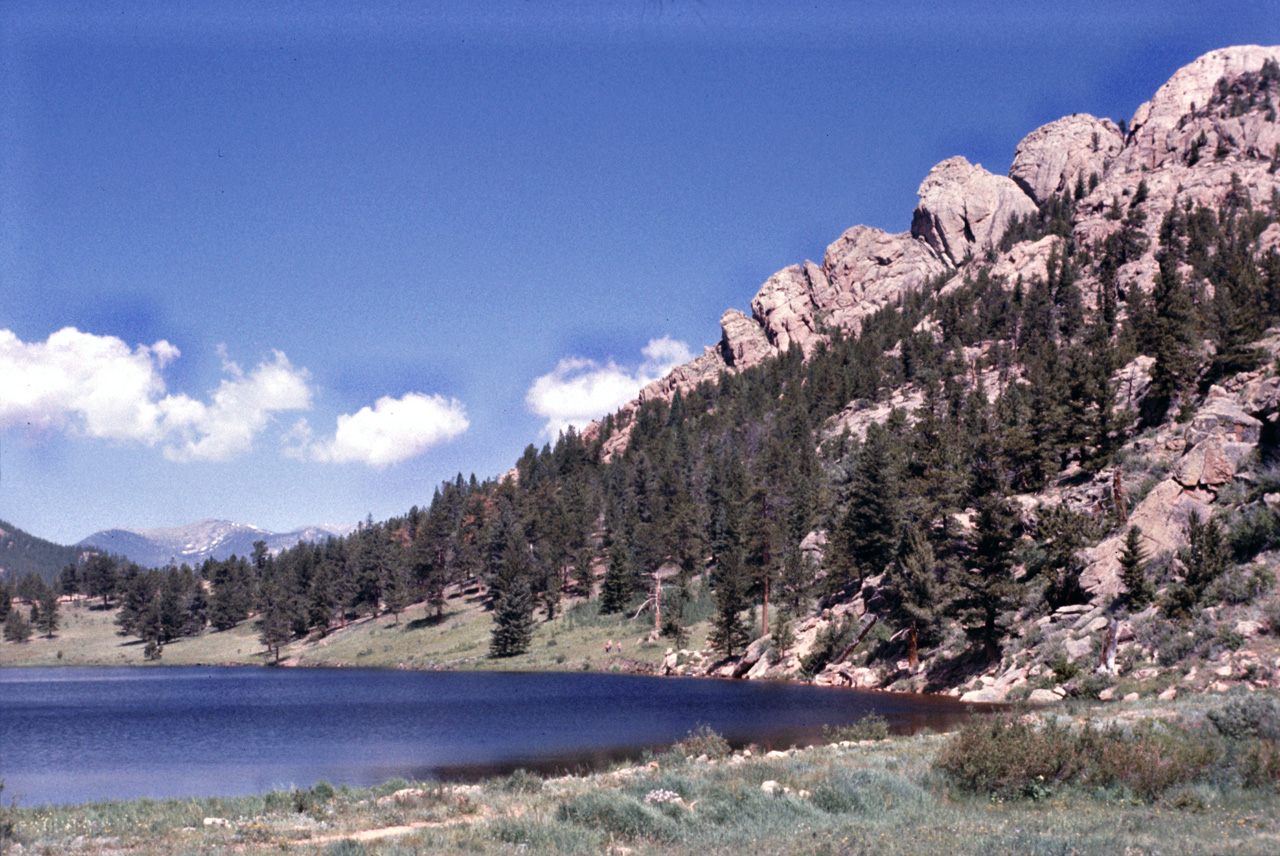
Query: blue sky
[[297, 263]]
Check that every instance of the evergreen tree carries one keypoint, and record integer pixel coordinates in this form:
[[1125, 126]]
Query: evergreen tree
[[1205, 558], [276, 618], [1175, 346], [867, 536], [991, 594], [1138, 589], [917, 595], [100, 577], [16, 627], [618, 585], [513, 606], [49, 619]]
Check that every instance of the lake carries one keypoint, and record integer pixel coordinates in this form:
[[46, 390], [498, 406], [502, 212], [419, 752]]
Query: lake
[[80, 734]]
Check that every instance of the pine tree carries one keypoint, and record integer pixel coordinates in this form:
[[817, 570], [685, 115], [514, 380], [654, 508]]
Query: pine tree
[[276, 619], [16, 627], [991, 594], [618, 585], [916, 593], [513, 607], [1205, 558], [49, 620], [1138, 590], [867, 536], [1175, 346]]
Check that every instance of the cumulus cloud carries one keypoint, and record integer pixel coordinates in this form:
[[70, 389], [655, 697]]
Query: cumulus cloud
[[102, 388], [393, 430], [581, 390], [240, 409]]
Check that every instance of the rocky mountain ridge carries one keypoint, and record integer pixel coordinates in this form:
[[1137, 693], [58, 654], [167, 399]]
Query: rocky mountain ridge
[[1208, 138]]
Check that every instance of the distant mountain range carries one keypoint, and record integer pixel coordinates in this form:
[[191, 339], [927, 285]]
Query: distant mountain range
[[204, 539]]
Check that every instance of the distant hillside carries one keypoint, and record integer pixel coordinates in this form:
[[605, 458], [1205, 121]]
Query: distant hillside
[[22, 553], [195, 542]]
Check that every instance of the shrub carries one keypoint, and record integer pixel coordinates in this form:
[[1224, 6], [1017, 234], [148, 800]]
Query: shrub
[[704, 741], [1014, 758], [1250, 716], [866, 792], [618, 814], [520, 782], [872, 726], [1254, 530]]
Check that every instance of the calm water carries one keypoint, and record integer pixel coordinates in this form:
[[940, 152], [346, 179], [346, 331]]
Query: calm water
[[72, 735]]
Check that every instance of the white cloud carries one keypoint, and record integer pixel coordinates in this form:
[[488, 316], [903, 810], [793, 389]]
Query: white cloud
[[581, 390], [98, 386], [393, 430], [242, 406]]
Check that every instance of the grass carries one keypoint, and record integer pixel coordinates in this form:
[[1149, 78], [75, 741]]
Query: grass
[[893, 796], [575, 640]]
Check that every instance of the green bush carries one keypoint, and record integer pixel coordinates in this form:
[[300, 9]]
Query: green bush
[[870, 727], [1250, 716], [704, 741], [346, 847], [618, 814], [1014, 758], [867, 792], [520, 782]]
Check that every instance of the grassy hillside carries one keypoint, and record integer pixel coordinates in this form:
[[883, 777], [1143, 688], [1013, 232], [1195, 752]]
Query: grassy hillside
[[575, 640]]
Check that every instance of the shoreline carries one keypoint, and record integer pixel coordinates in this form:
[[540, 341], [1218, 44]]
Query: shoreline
[[883, 796]]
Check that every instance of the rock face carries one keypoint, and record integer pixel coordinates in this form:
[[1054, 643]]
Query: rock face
[[1193, 101], [863, 271], [744, 343], [868, 269], [964, 209], [1052, 157]]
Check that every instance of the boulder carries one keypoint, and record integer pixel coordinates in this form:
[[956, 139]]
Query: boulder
[[1051, 158], [964, 209], [992, 694], [1043, 697], [867, 269], [1162, 516], [1223, 417], [1207, 464], [1077, 648]]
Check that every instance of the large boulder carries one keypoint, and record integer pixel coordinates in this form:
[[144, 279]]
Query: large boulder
[[1162, 516], [863, 271], [964, 209], [1051, 158]]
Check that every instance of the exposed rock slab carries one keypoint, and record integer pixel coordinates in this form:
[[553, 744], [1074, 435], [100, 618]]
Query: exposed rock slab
[[1051, 158], [1158, 131], [964, 209]]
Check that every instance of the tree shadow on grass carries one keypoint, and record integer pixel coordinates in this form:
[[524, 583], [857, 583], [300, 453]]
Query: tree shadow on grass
[[426, 621]]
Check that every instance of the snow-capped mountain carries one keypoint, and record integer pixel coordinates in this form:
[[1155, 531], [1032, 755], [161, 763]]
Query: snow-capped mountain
[[204, 539]]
